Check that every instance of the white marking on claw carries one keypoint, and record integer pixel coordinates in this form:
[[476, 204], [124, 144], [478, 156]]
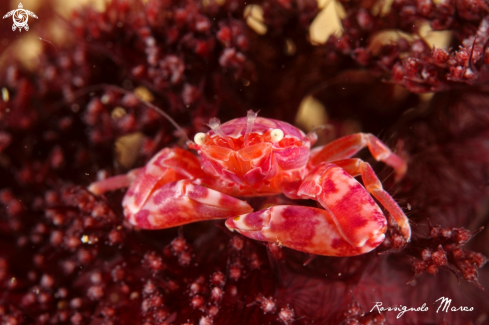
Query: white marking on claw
[[212, 197]]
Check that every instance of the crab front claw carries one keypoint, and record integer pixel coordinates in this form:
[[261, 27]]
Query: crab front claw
[[305, 229], [353, 210], [181, 202]]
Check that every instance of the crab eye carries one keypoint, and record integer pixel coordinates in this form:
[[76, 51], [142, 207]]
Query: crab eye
[[199, 138], [277, 135]]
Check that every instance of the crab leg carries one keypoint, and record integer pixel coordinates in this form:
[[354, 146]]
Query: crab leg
[[114, 183], [349, 145], [166, 166], [181, 202], [353, 210], [356, 167], [305, 229]]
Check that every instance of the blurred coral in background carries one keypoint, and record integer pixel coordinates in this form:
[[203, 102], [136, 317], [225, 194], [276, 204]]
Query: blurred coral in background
[[412, 72]]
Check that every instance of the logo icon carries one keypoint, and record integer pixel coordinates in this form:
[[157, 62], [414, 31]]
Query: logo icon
[[20, 17]]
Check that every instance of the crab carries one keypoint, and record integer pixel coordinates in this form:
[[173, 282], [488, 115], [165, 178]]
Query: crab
[[255, 156]]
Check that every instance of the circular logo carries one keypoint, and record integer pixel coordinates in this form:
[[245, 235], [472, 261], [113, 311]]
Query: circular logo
[[20, 18]]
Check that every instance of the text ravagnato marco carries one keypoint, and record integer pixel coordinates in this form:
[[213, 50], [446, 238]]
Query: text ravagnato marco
[[444, 306]]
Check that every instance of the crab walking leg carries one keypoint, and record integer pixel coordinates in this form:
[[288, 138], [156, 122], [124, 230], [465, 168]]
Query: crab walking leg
[[181, 202], [114, 183], [349, 145], [166, 166], [355, 213], [373, 185], [305, 229]]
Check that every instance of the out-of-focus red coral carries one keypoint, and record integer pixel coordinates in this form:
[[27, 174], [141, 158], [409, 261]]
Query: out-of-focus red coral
[[68, 257]]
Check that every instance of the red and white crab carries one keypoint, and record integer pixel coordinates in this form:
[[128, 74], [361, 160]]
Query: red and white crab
[[254, 156]]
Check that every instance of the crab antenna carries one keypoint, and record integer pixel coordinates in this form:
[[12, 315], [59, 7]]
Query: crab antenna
[[215, 125], [127, 92], [250, 121]]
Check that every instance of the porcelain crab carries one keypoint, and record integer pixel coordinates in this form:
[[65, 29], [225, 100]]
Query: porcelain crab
[[255, 156]]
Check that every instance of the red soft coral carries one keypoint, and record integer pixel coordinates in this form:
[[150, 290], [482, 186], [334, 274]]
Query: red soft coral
[[67, 256]]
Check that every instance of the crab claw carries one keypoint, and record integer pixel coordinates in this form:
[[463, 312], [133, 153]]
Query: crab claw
[[305, 229], [181, 202]]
